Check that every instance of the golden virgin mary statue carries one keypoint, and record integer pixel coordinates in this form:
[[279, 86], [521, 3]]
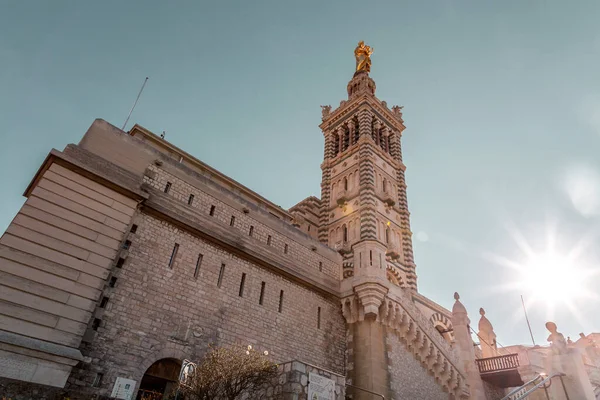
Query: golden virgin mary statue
[[363, 57]]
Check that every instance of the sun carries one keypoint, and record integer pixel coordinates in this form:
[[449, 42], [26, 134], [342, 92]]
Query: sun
[[549, 276], [552, 278]]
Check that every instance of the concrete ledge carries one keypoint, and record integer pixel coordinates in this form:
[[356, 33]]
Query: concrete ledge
[[14, 340], [35, 361]]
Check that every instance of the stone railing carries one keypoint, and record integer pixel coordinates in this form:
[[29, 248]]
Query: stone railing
[[499, 363], [398, 312]]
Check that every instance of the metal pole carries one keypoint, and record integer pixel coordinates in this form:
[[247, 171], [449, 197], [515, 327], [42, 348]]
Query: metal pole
[[527, 319], [564, 387], [134, 104]]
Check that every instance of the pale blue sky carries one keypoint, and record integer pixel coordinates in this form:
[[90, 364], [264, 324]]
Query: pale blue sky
[[502, 108]]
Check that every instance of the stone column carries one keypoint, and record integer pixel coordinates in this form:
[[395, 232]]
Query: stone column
[[368, 363], [568, 361], [486, 332], [464, 348]]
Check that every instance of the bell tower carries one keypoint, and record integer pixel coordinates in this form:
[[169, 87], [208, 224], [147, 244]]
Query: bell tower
[[364, 212]]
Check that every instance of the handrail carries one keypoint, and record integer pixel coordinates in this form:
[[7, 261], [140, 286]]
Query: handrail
[[365, 390], [542, 384], [517, 390]]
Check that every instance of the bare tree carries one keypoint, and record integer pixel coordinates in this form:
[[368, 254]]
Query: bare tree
[[228, 373]]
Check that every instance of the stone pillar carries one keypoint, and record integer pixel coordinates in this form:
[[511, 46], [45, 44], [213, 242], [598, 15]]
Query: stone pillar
[[464, 348], [367, 361], [568, 361], [489, 348]]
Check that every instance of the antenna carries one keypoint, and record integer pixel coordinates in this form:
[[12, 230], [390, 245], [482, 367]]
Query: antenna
[[134, 104], [527, 319]]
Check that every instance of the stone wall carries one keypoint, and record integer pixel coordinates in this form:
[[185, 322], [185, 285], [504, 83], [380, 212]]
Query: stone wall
[[407, 377], [293, 381], [267, 230], [162, 309]]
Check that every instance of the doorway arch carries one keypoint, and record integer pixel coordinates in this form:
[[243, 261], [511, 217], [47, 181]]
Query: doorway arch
[[160, 379]]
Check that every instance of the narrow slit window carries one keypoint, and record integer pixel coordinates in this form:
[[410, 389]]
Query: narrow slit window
[[190, 199], [96, 324], [127, 245], [98, 380], [318, 317], [133, 228], [221, 273], [242, 282], [198, 265], [212, 211], [104, 302], [120, 262], [280, 301], [262, 293], [232, 221], [380, 261], [370, 257], [113, 281], [167, 187], [251, 231], [173, 255], [269, 240], [321, 266], [285, 249]]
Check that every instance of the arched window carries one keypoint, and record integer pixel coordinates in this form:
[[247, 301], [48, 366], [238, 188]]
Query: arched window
[[387, 235], [345, 183], [351, 230], [384, 185], [345, 231]]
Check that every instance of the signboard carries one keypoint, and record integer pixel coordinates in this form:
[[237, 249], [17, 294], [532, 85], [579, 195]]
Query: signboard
[[320, 388], [123, 389], [188, 369]]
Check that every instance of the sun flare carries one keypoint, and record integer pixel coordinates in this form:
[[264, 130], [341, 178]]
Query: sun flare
[[552, 278]]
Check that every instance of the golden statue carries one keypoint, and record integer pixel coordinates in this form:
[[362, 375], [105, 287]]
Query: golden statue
[[363, 57]]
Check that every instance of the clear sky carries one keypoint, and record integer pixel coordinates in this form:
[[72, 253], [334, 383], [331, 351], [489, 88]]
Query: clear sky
[[501, 103]]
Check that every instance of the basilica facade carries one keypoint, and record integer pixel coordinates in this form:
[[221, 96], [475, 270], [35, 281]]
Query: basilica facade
[[131, 255]]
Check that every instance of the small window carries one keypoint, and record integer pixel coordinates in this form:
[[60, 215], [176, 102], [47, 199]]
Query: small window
[[262, 293], [232, 221], [190, 199], [370, 257], [133, 228], [221, 274], [318, 317], [212, 211], [104, 302], [280, 301], [198, 265], [242, 282], [285, 249], [120, 262], [173, 255], [127, 244], [113, 281], [321, 266], [269, 240], [167, 187], [251, 231], [309, 228], [96, 324], [98, 379]]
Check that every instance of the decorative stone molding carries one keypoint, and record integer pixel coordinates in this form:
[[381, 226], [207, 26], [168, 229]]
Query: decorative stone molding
[[371, 296], [397, 312]]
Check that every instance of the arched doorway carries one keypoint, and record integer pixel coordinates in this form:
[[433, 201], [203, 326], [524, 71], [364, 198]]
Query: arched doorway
[[160, 380]]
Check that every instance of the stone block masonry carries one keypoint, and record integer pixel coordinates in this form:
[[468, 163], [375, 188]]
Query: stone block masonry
[[158, 305]]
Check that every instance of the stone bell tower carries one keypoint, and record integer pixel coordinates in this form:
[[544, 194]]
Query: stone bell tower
[[364, 211]]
